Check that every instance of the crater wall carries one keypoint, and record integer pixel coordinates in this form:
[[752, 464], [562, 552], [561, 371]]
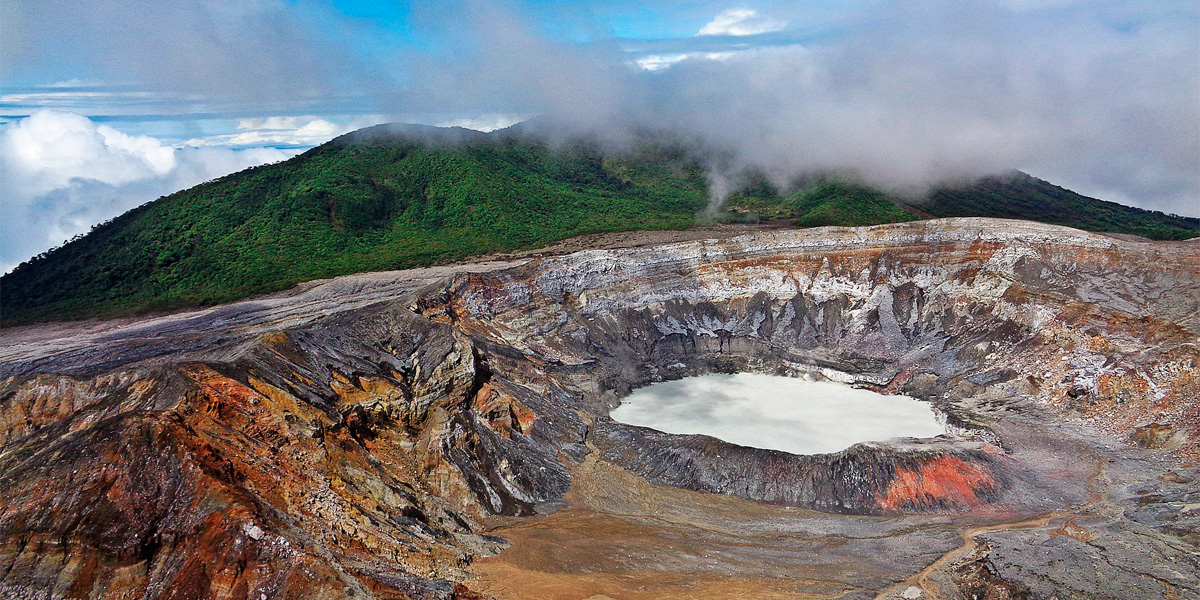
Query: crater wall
[[353, 437]]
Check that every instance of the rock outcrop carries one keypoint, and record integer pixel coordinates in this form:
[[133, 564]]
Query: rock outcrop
[[354, 438]]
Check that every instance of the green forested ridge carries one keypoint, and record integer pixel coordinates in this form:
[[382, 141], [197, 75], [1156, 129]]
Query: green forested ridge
[[839, 203], [392, 197], [1020, 196], [816, 203], [1014, 195], [373, 201]]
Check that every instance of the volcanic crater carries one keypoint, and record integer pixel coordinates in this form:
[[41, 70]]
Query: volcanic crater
[[445, 432]]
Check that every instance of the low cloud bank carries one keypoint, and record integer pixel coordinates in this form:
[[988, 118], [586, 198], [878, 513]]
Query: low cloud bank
[[64, 173], [1103, 101]]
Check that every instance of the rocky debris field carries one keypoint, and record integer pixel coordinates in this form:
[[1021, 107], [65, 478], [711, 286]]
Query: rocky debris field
[[443, 432]]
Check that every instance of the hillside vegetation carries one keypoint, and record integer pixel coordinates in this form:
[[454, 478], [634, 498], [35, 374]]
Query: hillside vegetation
[[376, 200], [393, 197], [1019, 196]]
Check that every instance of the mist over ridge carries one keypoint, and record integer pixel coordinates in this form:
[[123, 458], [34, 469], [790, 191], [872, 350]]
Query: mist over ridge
[[916, 95]]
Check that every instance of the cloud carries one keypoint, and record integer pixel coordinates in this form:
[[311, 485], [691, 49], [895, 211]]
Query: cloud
[[47, 149], [485, 123], [277, 131], [740, 21], [73, 82], [71, 98], [64, 173], [1101, 99], [96, 99], [277, 123], [253, 52], [660, 62]]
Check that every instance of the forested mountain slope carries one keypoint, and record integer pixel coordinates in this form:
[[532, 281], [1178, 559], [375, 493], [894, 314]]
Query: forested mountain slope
[[400, 196]]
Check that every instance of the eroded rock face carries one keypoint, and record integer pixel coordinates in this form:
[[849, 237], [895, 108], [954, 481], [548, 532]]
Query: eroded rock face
[[352, 439], [864, 479]]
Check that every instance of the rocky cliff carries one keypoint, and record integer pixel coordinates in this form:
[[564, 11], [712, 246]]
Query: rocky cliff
[[361, 437]]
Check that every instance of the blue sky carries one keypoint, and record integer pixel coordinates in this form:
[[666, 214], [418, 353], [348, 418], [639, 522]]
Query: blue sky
[[137, 98]]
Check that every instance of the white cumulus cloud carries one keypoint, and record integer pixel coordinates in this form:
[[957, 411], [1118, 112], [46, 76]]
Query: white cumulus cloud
[[49, 148], [283, 131], [740, 21], [64, 173], [485, 123], [660, 62]]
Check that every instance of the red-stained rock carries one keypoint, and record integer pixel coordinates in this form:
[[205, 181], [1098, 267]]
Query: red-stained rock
[[944, 482]]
